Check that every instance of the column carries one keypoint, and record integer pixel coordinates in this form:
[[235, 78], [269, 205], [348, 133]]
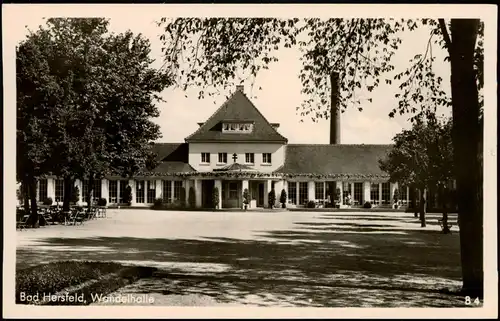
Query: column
[[197, 191], [245, 185], [393, 187], [118, 191], [78, 183], [267, 189], [172, 194], [340, 186], [158, 189], [310, 191], [186, 184], [51, 190], [380, 193], [278, 187], [131, 182], [218, 184], [105, 189], [407, 196], [366, 192]]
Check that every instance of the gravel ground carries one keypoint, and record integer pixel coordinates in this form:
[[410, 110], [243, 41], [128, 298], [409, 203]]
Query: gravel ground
[[324, 259]]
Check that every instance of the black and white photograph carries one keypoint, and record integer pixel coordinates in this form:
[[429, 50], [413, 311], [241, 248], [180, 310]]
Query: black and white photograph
[[257, 160]]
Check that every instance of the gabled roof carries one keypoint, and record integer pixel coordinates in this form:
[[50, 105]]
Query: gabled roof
[[173, 167], [172, 158], [173, 152], [237, 108], [357, 160]]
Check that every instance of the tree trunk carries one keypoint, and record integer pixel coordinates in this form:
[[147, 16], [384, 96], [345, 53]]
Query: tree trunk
[[26, 195], [414, 202], [444, 198], [466, 139], [33, 220], [423, 207], [68, 191]]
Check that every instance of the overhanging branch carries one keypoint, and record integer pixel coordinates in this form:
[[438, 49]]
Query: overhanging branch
[[446, 35]]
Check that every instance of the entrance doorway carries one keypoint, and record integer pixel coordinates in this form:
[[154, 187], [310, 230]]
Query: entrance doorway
[[231, 194], [207, 187], [260, 198]]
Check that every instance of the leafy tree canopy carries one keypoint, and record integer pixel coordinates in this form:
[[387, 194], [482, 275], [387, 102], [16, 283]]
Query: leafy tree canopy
[[421, 156], [94, 92], [213, 53]]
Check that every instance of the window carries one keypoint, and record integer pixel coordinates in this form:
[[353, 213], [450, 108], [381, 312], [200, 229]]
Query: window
[[374, 193], [346, 189], [292, 193], [414, 197], [59, 190], [205, 158], [386, 193], [266, 158], [123, 188], [303, 193], [42, 190], [222, 158], [237, 128], [331, 190], [113, 191], [85, 189], [151, 192], [97, 190], [249, 158], [139, 191], [233, 190], [177, 190], [319, 190], [358, 193], [403, 195], [167, 191]]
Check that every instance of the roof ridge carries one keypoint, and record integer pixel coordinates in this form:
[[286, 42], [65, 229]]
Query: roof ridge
[[212, 116], [339, 145], [167, 143], [267, 121]]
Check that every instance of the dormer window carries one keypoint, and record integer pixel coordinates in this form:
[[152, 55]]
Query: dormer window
[[237, 127]]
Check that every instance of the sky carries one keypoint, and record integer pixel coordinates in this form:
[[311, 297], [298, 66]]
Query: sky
[[280, 93]]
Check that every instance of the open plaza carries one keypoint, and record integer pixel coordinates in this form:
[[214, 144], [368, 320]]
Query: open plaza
[[265, 258]]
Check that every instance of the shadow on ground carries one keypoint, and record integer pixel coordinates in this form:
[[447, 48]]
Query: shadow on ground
[[315, 264]]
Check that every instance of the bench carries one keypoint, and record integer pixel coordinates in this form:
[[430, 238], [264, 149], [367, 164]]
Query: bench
[[440, 221]]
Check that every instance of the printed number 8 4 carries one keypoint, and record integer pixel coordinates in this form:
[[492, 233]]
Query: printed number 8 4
[[468, 301]]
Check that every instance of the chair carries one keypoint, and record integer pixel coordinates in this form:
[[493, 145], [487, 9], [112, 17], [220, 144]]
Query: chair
[[23, 222], [102, 211], [48, 216], [92, 213], [77, 216]]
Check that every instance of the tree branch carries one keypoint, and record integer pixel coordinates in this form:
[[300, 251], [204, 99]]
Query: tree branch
[[446, 35]]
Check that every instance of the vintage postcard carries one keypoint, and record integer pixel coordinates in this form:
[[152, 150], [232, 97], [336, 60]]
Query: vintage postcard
[[250, 161]]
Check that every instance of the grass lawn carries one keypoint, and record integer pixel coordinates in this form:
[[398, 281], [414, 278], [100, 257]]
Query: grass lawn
[[34, 285], [269, 259]]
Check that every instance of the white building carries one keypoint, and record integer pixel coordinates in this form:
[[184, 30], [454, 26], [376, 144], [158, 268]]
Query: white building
[[237, 149]]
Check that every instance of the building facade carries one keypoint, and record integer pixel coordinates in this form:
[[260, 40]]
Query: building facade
[[237, 149]]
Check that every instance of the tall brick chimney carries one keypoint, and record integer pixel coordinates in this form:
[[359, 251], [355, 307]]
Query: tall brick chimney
[[334, 109]]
